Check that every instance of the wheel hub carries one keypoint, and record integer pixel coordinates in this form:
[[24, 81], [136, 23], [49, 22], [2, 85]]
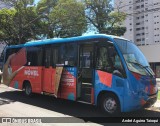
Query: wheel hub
[[110, 105]]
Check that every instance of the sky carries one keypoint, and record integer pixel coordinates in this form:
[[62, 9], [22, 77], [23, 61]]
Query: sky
[[36, 1]]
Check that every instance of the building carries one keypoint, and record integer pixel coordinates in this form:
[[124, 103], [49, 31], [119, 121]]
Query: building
[[143, 20], [143, 27]]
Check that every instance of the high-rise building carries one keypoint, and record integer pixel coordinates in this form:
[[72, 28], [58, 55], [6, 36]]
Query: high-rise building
[[142, 21]]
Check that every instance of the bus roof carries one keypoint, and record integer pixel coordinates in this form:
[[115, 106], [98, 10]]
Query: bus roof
[[64, 40]]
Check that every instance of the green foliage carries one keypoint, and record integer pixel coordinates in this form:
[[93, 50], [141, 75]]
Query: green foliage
[[57, 18], [102, 16], [20, 24], [158, 95], [7, 25], [68, 18]]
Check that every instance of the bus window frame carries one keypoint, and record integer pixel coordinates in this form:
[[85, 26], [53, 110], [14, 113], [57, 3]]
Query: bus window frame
[[108, 42]]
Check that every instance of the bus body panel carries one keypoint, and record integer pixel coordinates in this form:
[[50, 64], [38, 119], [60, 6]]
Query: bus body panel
[[109, 83], [48, 79], [143, 91], [31, 74], [133, 90], [68, 83]]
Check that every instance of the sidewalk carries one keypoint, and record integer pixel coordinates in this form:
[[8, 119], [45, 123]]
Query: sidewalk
[[158, 83], [157, 104]]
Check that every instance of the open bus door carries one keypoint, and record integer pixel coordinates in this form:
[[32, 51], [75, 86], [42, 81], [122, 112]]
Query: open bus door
[[85, 73]]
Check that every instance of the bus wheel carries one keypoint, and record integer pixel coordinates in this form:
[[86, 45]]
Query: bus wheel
[[110, 104], [28, 89]]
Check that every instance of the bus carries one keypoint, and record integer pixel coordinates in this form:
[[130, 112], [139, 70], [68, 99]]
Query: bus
[[103, 70]]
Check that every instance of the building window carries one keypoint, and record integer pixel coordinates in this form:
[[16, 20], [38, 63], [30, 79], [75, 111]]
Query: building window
[[137, 23], [137, 7], [137, 29]]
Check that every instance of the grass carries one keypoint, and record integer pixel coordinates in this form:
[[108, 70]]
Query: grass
[[158, 95]]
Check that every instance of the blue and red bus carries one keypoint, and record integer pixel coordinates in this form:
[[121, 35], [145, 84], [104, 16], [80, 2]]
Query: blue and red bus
[[103, 70]]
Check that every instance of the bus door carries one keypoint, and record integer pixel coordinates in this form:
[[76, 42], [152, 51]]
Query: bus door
[[49, 70], [85, 73]]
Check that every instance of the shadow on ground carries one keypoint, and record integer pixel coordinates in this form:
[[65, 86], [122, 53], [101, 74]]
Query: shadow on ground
[[66, 107]]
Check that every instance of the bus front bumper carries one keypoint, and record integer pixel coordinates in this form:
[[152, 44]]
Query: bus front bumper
[[150, 101]]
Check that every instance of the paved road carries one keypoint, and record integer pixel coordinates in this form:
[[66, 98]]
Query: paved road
[[14, 104]]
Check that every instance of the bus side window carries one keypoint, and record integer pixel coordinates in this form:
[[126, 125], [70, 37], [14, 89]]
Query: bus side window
[[116, 61], [11, 51], [103, 61], [55, 57], [68, 54], [34, 56]]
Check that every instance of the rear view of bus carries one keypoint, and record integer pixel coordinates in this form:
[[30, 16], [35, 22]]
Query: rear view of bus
[[140, 87]]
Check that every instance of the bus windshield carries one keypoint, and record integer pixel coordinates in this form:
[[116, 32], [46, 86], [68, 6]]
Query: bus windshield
[[134, 58]]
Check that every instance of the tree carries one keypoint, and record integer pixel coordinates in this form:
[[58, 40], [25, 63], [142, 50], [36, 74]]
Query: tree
[[8, 29], [44, 9], [68, 18], [20, 24], [100, 13]]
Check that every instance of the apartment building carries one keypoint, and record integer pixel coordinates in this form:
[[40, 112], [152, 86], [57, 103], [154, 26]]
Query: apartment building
[[143, 20]]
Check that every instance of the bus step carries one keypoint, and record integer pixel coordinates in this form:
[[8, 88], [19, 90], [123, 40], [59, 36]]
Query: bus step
[[86, 97], [84, 102], [87, 83], [49, 94], [86, 90]]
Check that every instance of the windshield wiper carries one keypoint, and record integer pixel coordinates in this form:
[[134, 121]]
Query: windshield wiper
[[145, 67], [137, 64]]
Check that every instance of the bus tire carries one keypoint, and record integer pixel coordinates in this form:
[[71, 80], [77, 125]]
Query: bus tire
[[109, 104], [27, 89]]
